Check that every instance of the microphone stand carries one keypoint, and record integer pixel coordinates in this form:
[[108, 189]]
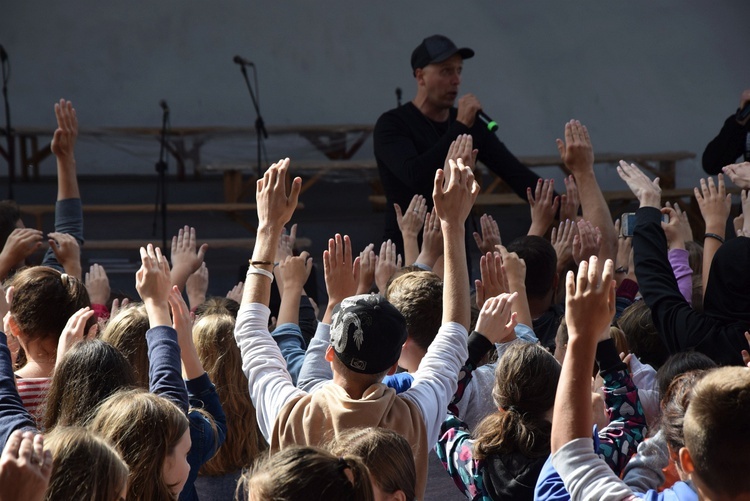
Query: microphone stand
[[161, 182], [260, 126], [11, 150]]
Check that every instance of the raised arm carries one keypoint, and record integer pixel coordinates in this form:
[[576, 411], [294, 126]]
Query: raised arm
[[589, 308], [715, 204], [410, 223], [578, 155], [544, 205], [153, 285], [270, 385], [436, 379], [68, 212]]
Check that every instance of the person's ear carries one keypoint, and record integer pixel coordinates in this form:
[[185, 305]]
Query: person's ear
[[419, 75], [398, 496], [686, 461], [393, 369], [329, 354]]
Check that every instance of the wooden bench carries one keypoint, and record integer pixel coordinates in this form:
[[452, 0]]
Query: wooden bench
[[213, 243], [39, 211]]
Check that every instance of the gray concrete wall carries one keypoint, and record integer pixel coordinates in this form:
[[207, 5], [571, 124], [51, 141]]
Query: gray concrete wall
[[644, 75]]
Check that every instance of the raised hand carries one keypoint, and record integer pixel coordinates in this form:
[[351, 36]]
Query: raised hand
[[64, 139], [562, 240], [497, 320], [576, 151], [543, 206], [185, 258], [388, 263], [714, 202], [97, 284], [454, 195], [196, 286], [673, 229], [275, 207], [493, 281], [21, 243], [739, 174], [295, 271], [25, 467], [646, 191], [587, 242], [117, 305], [367, 262], [745, 210], [411, 222], [490, 236], [685, 230], [570, 202], [463, 148], [432, 240], [745, 354], [590, 300], [235, 293], [286, 244], [75, 331], [153, 283], [341, 273], [67, 251]]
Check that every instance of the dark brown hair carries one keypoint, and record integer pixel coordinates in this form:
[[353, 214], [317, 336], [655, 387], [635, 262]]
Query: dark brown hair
[[674, 405], [44, 299], [89, 373], [641, 334], [525, 384], [308, 473]]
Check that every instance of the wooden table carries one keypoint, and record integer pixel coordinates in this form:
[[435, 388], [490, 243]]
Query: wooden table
[[335, 142]]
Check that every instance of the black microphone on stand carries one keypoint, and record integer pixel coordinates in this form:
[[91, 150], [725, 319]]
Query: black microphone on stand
[[242, 61], [164, 106], [398, 96], [9, 135]]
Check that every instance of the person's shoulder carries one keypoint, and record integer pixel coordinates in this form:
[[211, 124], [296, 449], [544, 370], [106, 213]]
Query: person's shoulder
[[397, 115]]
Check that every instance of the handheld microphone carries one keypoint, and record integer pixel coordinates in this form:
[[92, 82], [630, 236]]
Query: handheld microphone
[[487, 121], [242, 61], [398, 96], [164, 106], [3, 54]]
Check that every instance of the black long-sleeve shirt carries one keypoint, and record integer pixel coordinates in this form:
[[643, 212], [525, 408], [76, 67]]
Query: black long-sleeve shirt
[[409, 148], [725, 148], [680, 327]]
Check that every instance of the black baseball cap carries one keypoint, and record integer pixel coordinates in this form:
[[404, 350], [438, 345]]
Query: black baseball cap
[[367, 333], [436, 49]]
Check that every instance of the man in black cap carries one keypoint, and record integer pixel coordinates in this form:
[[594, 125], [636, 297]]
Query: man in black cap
[[411, 141]]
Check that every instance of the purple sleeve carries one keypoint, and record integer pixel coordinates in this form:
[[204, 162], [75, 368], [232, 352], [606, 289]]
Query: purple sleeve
[[678, 258]]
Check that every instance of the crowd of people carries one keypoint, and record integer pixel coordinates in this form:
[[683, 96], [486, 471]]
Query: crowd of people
[[585, 363]]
